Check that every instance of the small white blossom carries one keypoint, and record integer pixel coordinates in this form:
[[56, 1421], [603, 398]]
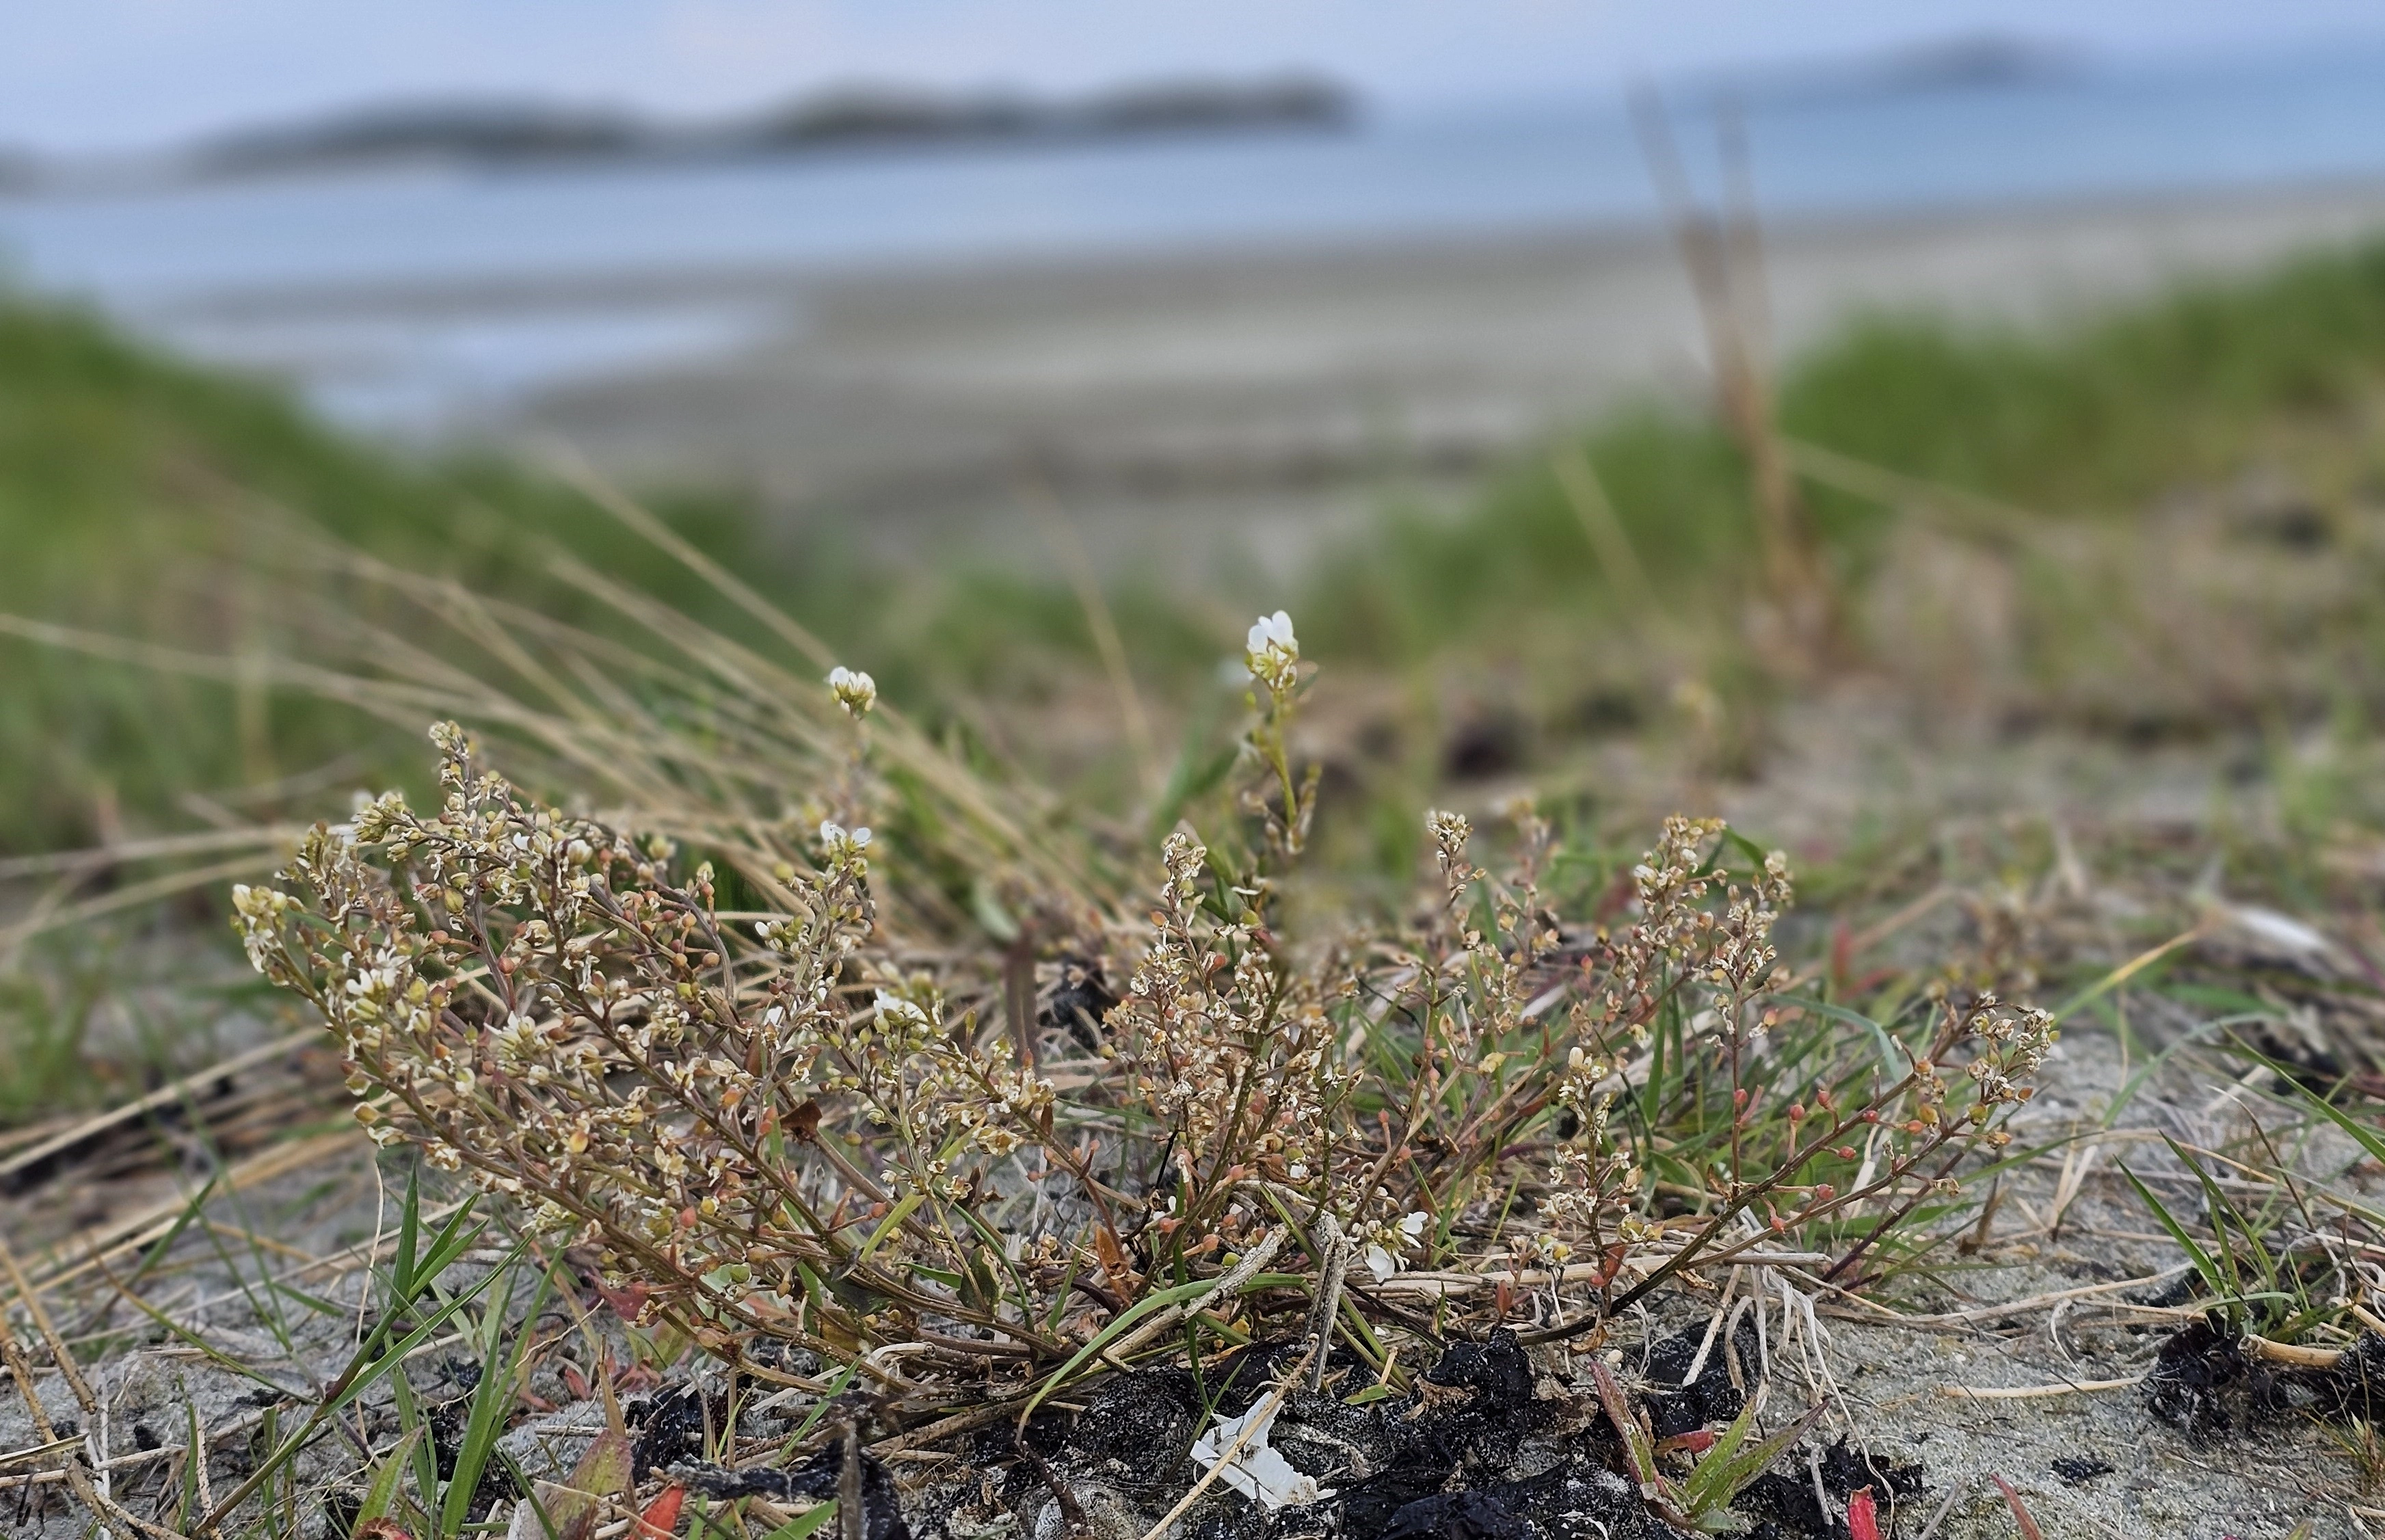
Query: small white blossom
[[1271, 652], [854, 690], [1273, 630], [843, 846]]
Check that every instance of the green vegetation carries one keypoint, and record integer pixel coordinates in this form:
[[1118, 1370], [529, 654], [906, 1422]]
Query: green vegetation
[[2090, 422], [854, 1026], [139, 495]]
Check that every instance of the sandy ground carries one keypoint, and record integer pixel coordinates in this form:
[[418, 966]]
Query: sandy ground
[[1246, 405], [1985, 1380]]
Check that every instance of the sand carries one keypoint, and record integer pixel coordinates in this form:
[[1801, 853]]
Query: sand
[[1244, 405]]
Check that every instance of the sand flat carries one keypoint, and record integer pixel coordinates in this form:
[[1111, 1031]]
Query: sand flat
[[1250, 403]]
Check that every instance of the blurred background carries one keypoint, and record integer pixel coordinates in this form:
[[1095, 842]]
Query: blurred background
[[1854, 417], [1218, 271]]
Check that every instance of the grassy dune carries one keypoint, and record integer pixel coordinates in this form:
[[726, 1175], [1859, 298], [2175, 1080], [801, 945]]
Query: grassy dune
[[142, 496]]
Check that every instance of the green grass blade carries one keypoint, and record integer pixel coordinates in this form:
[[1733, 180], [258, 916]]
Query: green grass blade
[[364, 1370], [492, 1399], [1709, 1469], [2367, 1138], [1148, 1306], [1734, 1471], [2204, 1264], [382, 1494], [805, 1524]]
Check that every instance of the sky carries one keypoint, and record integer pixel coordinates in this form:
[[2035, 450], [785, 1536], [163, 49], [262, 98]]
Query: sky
[[98, 75]]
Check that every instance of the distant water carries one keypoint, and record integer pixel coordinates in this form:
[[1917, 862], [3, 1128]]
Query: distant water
[[163, 259]]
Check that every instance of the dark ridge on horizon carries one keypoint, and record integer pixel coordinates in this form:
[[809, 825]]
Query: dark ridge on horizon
[[512, 131], [1978, 61]]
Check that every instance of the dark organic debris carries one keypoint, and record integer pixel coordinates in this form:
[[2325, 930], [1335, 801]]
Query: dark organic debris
[[1455, 1516], [669, 1426], [447, 1422], [2354, 1389], [1480, 1451], [1677, 1403], [2177, 1292], [2079, 1473], [1482, 1448], [1782, 1502], [2206, 1382], [1138, 1429], [1079, 1002], [816, 1479]]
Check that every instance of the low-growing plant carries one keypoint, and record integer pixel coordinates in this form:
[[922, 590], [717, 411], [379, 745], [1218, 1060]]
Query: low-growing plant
[[792, 1124], [2285, 1249]]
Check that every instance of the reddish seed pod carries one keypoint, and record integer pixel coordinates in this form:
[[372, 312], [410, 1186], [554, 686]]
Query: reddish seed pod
[[1796, 1112], [1845, 1152]]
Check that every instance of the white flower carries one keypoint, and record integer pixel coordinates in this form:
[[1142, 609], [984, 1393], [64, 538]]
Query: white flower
[[1381, 1263], [1271, 651], [854, 690], [1273, 630], [843, 846], [1413, 1223]]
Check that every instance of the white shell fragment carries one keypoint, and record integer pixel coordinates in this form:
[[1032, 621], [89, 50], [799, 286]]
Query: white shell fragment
[[1256, 1471]]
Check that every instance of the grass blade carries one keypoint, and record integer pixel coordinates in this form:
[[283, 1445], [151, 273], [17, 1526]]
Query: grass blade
[[382, 1494]]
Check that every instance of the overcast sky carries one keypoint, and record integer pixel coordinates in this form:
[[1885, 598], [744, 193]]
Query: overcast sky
[[93, 74]]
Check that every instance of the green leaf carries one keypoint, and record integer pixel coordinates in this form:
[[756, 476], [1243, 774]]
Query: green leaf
[[819, 1408], [382, 1493], [2223, 1215], [2212, 1278], [409, 1231], [364, 1368], [1150, 1303], [903, 1209], [1893, 1058], [1732, 1472], [805, 1524], [1694, 1491], [603, 1471], [493, 1400], [1639, 1450], [2367, 1138]]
